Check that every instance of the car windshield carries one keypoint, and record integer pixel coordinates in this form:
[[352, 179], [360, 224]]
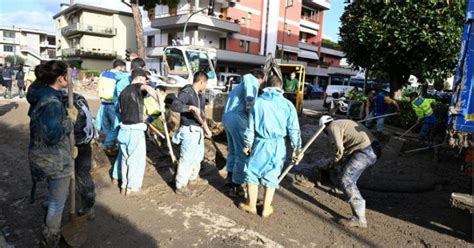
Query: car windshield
[[198, 60], [176, 63]]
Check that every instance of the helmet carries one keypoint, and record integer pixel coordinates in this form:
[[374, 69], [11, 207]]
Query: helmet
[[325, 120]]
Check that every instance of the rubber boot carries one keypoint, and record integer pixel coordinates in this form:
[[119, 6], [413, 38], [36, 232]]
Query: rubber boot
[[50, 240], [267, 202], [10, 94], [358, 219], [251, 205]]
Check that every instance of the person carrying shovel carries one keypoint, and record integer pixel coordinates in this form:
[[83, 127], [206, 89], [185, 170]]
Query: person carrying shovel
[[190, 104], [356, 146], [272, 118], [377, 105], [424, 112], [49, 151]]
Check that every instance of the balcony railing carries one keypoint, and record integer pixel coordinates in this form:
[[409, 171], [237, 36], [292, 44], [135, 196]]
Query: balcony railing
[[88, 53], [8, 40], [86, 28]]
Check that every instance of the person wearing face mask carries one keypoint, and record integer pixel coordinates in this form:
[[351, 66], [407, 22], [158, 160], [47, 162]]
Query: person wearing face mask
[[49, 152], [131, 136], [190, 104]]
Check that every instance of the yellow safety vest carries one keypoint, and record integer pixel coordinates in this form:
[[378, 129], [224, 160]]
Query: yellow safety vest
[[422, 107]]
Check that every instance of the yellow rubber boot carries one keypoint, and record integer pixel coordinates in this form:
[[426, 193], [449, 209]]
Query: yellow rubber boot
[[267, 202], [251, 205]]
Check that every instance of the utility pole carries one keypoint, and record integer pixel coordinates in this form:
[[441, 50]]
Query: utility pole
[[288, 4]]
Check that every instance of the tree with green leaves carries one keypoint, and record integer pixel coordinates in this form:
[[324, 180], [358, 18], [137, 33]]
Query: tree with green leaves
[[14, 60], [400, 38]]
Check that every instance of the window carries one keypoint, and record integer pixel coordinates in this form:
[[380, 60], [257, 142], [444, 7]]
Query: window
[[241, 44], [8, 48], [9, 34], [247, 46], [150, 41], [176, 63], [223, 43]]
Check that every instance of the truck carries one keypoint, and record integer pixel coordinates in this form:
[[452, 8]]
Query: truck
[[461, 116]]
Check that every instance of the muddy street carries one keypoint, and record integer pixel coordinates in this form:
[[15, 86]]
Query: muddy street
[[415, 214]]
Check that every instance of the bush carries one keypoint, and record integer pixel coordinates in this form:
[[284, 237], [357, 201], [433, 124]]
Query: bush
[[407, 117], [91, 73]]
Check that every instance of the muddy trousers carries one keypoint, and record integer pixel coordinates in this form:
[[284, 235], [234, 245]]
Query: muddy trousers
[[58, 190], [235, 125], [379, 123], [191, 141], [355, 166], [131, 139], [84, 184], [8, 89], [105, 121]]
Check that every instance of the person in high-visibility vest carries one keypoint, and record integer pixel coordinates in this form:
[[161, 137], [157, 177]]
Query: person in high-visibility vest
[[424, 112]]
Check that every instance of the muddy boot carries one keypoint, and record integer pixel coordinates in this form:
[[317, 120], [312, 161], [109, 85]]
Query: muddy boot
[[21, 93], [358, 219], [50, 240], [251, 205], [228, 180], [267, 202]]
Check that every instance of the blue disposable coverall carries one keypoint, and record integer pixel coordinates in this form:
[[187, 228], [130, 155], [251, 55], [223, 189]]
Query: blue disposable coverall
[[236, 121], [272, 119]]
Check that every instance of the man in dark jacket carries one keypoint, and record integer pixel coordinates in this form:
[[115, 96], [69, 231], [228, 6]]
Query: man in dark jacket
[[7, 74], [20, 81], [190, 135]]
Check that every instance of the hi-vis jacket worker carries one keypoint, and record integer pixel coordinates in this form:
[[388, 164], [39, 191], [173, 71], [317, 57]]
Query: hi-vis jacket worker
[[424, 112]]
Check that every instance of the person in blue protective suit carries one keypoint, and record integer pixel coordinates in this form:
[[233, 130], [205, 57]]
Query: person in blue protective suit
[[50, 154], [355, 149], [122, 83], [272, 118], [378, 104], [190, 104], [235, 121], [131, 136], [105, 119]]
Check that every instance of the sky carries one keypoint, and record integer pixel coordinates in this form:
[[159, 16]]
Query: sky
[[38, 14]]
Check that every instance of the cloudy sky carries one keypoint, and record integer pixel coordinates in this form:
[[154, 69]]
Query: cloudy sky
[[38, 14]]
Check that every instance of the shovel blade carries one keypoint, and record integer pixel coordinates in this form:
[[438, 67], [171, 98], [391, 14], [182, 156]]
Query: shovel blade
[[75, 232], [394, 146]]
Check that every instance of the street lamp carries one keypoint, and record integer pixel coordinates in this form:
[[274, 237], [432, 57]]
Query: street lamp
[[288, 4]]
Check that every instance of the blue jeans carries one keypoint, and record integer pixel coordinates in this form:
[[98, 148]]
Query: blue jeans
[[58, 190], [235, 125], [105, 120], [131, 139], [359, 161], [379, 122], [427, 129], [191, 139]]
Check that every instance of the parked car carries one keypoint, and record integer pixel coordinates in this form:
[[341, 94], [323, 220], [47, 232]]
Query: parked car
[[312, 91], [334, 91]]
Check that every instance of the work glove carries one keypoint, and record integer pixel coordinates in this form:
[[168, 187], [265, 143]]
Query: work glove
[[72, 113], [74, 152], [247, 151], [297, 155]]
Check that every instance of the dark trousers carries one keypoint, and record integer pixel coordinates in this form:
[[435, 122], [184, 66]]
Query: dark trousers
[[84, 183]]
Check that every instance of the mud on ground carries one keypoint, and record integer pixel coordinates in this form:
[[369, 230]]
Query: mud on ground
[[304, 215]]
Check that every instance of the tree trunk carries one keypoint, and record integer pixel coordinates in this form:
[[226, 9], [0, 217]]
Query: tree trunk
[[137, 18], [397, 81]]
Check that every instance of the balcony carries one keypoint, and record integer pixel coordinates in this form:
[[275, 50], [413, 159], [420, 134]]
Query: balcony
[[308, 46], [8, 40], [309, 26], [47, 45], [88, 53], [79, 28], [177, 23], [318, 4]]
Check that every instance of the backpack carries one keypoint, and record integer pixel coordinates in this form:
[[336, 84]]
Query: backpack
[[84, 128], [106, 86]]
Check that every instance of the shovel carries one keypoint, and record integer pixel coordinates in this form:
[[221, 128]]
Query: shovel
[[167, 134], [377, 117], [220, 160], [396, 143], [292, 164], [75, 231]]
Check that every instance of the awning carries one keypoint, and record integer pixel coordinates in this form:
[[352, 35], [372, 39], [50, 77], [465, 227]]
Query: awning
[[308, 54]]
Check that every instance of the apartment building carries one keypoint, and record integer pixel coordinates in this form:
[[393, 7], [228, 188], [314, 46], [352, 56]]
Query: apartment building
[[244, 32], [93, 36], [32, 45]]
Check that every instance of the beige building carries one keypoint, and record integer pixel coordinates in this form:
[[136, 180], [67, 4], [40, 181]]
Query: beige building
[[32, 45], [92, 35]]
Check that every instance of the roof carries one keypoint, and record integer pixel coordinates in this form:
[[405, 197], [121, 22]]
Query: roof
[[78, 6], [28, 30]]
